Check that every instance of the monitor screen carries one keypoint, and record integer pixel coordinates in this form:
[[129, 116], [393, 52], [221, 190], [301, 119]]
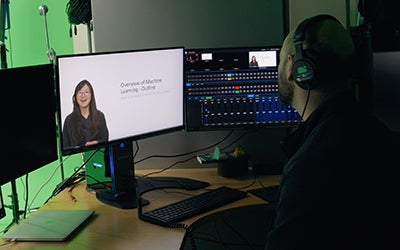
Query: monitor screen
[[386, 88], [107, 100], [126, 95], [30, 138], [234, 88]]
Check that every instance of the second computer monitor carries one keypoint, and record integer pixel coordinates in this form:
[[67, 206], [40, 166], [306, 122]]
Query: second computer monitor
[[234, 88]]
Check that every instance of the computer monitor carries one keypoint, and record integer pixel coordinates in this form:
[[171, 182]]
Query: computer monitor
[[386, 87], [229, 88], [29, 120], [137, 93]]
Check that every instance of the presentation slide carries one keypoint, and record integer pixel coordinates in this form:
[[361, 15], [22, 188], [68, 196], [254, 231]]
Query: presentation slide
[[138, 91]]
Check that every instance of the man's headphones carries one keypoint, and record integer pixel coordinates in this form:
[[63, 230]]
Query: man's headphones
[[303, 68]]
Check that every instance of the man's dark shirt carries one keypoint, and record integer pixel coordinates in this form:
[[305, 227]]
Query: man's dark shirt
[[338, 188]]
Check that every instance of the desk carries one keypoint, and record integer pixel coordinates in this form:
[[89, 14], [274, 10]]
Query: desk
[[119, 229]]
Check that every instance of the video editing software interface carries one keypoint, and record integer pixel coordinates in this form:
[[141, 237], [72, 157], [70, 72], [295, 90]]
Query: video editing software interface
[[234, 87]]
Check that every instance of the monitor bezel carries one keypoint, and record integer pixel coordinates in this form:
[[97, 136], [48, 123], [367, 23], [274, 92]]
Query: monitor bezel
[[131, 138], [37, 82]]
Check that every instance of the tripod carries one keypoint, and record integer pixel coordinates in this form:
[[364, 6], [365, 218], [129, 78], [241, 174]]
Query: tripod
[[14, 206], [3, 15], [51, 54]]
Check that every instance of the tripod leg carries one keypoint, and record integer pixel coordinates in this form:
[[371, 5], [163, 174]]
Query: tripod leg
[[14, 206]]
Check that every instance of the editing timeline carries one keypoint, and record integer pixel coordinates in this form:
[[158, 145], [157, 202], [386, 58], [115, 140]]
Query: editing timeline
[[235, 95]]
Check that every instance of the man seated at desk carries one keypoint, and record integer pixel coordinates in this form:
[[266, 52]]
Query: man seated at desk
[[337, 188]]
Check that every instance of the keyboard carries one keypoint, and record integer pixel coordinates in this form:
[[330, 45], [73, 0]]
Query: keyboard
[[172, 213]]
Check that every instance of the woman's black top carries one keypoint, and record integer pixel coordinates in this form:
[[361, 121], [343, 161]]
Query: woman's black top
[[74, 136]]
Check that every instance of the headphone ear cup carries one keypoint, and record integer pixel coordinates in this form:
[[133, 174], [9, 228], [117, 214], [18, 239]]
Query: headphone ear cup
[[303, 71]]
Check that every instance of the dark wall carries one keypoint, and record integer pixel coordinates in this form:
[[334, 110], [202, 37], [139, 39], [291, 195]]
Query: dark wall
[[384, 18]]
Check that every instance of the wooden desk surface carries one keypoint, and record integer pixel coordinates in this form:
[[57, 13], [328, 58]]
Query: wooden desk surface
[[115, 228]]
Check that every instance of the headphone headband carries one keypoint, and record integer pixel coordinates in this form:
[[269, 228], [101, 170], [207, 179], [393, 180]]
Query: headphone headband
[[300, 33], [304, 69]]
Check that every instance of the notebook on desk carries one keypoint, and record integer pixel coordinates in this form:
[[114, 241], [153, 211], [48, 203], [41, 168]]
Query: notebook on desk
[[48, 225]]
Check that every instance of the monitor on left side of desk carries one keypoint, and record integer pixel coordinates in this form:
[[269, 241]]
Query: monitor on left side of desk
[[30, 132], [29, 127]]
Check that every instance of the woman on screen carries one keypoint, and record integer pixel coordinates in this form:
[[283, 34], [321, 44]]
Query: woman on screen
[[253, 62], [85, 125]]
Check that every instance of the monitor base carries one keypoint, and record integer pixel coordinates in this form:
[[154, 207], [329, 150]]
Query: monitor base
[[125, 201]]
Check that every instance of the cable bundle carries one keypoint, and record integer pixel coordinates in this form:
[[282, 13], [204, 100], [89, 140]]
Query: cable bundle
[[79, 11]]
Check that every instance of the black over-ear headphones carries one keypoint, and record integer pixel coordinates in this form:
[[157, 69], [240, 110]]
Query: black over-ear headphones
[[303, 68]]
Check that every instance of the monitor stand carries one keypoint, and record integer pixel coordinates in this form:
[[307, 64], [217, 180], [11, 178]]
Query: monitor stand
[[126, 200], [125, 188]]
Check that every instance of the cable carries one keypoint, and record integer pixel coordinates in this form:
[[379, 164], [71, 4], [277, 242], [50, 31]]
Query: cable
[[195, 151], [70, 180], [46, 182], [79, 11], [304, 109], [74, 184], [137, 149], [240, 137], [187, 153], [170, 166], [26, 195]]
